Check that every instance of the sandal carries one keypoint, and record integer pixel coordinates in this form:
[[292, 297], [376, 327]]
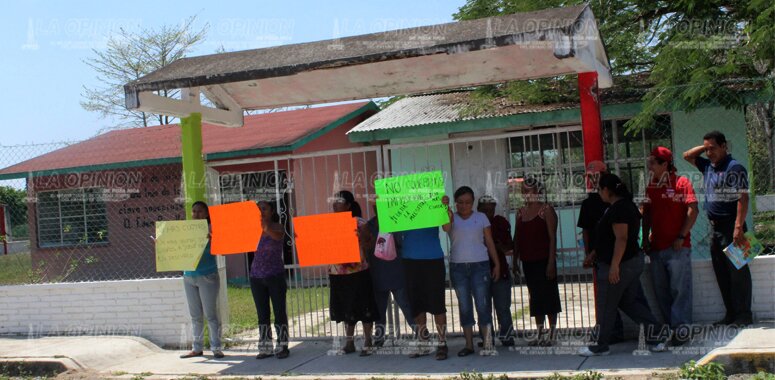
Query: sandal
[[546, 343], [192, 354], [348, 349], [284, 353], [421, 351], [441, 352], [366, 351], [263, 355], [465, 352]]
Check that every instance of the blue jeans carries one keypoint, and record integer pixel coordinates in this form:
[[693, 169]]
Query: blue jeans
[[383, 297], [472, 280], [501, 299], [202, 296], [671, 272]]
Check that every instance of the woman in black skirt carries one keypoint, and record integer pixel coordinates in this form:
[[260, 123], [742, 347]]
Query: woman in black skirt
[[352, 295], [535, 244]]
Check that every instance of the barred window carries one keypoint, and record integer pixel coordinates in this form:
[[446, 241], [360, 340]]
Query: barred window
[[71, 217], [626, 153], [557, 158]]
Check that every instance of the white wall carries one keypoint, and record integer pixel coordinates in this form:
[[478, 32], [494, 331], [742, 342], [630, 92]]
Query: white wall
[[154, 309], [707, 304]]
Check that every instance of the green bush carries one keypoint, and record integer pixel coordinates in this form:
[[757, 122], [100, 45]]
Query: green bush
[[710, 371]]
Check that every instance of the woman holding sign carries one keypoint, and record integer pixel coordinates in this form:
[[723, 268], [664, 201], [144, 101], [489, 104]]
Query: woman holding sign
[[352, 295], [267, 283], [201, 286], [469, 267]]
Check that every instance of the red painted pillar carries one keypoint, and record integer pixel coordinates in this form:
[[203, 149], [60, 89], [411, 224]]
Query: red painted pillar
[[591, 124], [3, 233], [592, 134]]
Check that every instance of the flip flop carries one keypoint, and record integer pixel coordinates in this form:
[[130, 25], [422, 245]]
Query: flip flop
[[465, 352]]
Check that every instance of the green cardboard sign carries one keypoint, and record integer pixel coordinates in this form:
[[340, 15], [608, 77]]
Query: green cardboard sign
[[411, 202], [180, 244]]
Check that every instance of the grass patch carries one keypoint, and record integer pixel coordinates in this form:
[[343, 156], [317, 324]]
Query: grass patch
[[520, 313], [15, 268]]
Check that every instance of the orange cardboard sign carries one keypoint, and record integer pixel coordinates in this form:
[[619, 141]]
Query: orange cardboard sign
[[236, 228], [325, 239]]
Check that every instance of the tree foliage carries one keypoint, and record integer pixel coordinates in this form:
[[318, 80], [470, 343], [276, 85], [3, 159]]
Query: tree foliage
[[694, 53], [130, 55], [687, 46], [14, 201]]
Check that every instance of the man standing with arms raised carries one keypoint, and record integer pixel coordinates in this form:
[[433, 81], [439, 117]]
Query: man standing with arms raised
[[726, 197]]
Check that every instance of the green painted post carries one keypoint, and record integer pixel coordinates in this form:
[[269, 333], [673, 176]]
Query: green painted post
[[193, 164]]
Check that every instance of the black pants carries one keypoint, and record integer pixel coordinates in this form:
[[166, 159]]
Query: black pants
[[627, 296], [265, 290], [734, 284]]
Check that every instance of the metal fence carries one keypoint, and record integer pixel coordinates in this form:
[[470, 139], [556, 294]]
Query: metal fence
[[82, 224]]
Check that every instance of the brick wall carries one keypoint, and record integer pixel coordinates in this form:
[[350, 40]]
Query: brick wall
[[154, 309]]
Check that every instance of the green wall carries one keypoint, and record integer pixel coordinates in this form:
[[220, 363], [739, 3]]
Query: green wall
[[688, 129]]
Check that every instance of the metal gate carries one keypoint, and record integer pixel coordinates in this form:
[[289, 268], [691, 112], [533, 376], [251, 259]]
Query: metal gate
[[304, 184], [490, 164]]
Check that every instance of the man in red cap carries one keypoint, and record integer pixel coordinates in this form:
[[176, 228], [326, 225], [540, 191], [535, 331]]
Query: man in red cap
[[669, 214]]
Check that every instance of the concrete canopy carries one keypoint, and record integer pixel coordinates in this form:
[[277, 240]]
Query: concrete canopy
[[408, 61]]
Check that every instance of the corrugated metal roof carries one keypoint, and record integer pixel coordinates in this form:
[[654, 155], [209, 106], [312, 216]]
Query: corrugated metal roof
[[442, 108]]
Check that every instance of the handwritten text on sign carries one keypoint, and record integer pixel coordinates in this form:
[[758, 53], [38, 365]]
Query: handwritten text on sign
[[180, 244], [410, 202]]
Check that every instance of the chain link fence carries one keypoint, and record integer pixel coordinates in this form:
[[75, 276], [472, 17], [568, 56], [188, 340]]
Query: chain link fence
[[68, 222], [70, 217]]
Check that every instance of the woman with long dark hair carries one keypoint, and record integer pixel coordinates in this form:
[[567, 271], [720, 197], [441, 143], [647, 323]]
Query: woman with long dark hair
[[201, 286], [267, 283], [620, 264], [352, 294]]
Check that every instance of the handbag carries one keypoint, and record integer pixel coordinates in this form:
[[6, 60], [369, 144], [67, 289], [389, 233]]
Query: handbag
[[385, 248]]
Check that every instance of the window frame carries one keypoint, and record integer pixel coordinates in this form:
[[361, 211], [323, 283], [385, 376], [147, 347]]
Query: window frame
[[83, 216]]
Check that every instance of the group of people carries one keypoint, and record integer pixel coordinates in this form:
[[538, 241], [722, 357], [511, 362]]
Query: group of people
[[611, 220], [480, 272]]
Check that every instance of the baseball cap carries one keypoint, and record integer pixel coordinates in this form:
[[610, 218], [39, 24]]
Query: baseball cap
[[596, 166], [662, 153]]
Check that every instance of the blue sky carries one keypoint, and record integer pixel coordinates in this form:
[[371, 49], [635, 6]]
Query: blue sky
[[44, 44]]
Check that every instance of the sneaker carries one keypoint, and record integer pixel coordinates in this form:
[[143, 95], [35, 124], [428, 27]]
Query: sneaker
[[659, 347], [594, 351], [218, 354]]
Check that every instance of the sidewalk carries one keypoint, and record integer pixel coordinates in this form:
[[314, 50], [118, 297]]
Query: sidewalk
[[127, 356]]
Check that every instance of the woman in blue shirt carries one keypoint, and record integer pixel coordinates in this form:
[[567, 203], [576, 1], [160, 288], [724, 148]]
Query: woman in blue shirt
[[201, 286]]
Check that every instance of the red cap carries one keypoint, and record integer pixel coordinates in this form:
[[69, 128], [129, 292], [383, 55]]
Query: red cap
[[663, 154], [596, 167]]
